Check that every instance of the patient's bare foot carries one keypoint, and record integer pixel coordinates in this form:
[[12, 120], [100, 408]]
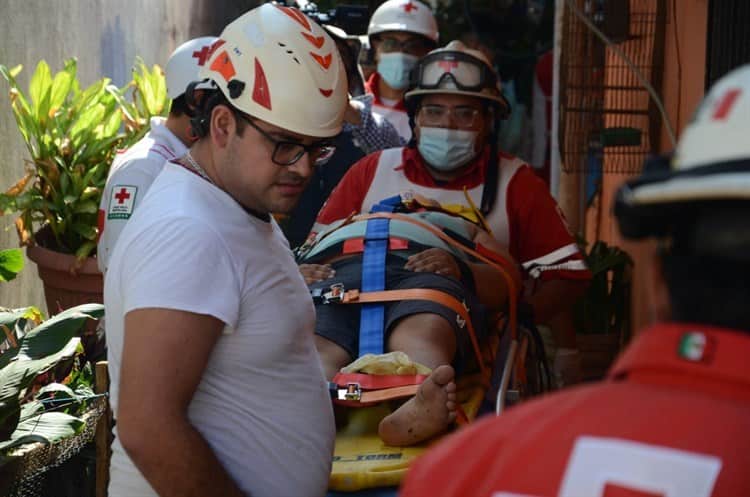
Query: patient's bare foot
[[426, 414]]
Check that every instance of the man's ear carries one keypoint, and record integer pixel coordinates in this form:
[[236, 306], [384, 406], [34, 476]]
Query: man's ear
[[223, 125]]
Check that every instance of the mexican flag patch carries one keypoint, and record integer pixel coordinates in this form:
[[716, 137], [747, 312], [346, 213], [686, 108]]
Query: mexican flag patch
[[121, 202], [696, 347]]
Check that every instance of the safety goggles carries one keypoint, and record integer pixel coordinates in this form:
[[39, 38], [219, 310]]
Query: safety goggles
[[467, 73], [286, 153]]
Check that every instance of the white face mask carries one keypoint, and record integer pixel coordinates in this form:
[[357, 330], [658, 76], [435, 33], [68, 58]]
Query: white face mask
[[446, 149], [395, 67]]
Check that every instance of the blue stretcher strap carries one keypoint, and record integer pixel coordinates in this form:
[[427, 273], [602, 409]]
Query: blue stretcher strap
[[372, 316]]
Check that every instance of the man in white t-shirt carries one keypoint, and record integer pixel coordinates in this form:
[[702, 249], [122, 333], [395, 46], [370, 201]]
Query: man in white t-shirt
[[135, 169], [216, 386]]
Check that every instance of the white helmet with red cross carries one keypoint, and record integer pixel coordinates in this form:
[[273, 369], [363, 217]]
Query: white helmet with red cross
[[184, 64], [711, 163], [410, 16], [457, 70], [277, 65]]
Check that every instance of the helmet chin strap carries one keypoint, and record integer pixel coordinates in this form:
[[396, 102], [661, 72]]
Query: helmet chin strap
[[489, 191]]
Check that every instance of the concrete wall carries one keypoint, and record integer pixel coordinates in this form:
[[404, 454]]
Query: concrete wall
[[105, 36]]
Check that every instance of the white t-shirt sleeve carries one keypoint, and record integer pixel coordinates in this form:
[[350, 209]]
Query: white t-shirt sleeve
[[180, 264]]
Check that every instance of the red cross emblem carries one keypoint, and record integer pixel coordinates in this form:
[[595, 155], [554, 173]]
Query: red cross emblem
[[408, 7], [203, 55], [122, 196], [448, 65]]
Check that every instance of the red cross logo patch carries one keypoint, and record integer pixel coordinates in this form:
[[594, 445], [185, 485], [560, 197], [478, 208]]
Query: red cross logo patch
[[408, 7], [121, 202]]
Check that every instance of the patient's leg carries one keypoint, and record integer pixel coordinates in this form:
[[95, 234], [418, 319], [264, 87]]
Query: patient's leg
[[430, 340], [333, 356]]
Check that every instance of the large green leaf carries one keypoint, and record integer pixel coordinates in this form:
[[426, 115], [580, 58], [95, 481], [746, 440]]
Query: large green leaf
[[60, 89], [48, 427], [19, 374], [11, 263], [55, 333], [39, 91]]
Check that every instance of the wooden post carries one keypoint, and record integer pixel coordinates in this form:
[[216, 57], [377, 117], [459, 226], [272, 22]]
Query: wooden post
[[103, 437]]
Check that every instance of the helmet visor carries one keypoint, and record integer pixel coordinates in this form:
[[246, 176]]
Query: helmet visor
[[454, 70]]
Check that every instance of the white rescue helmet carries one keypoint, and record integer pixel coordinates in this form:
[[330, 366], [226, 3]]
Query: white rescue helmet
[[411, 16], [711, 163], [184, 64], [277, 65], [457, 70], [712, 158]]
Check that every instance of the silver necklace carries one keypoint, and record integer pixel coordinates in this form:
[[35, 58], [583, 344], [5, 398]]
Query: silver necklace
[[198, 169]]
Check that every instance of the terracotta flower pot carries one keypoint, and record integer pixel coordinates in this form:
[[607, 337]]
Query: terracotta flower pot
[[65, 284]]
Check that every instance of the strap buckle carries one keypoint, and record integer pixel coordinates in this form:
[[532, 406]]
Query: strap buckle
[[352, 391], [334, 295]]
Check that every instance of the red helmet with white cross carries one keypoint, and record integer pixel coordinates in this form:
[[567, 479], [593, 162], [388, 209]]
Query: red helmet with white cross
[[277, 65], [410, 16], [184, 64]]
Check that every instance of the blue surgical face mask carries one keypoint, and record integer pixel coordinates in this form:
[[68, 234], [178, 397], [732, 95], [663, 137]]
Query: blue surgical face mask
[[395, 67], [446, 149]]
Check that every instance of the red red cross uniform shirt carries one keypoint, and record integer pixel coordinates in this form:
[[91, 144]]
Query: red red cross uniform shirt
[[394, 114], [671, 420], [525, 217]]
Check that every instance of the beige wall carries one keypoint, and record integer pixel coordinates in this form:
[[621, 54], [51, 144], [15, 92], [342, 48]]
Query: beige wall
[[682, 90], [105, 36]]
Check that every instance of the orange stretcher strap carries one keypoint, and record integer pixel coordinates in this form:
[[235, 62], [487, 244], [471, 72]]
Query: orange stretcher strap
[[378, 381], [442, 298], [513, 284]]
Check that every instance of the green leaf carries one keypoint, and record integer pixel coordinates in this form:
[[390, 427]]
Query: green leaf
[[19, 374], [40, 350], [11, 263], [60, 89], [48, 427], [86, 208], [16, 70], [112, 124], [53, 334], [85, 250], [39, 91], [87, 231]]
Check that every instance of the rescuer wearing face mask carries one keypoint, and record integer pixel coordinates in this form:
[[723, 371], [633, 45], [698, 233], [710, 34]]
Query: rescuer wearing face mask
[[400, 32], [453, 104]]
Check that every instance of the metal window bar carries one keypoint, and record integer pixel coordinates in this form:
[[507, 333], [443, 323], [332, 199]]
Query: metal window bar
[[607, 120]]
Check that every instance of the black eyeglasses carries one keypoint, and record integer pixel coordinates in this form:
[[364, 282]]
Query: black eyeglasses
[[412, 46], [286, 153]]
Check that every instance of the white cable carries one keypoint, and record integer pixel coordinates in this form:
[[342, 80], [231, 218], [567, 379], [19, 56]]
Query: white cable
[[644, 82]]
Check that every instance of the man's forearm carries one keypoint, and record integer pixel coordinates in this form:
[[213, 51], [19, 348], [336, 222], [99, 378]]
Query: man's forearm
[[176, 460], [490, 286]]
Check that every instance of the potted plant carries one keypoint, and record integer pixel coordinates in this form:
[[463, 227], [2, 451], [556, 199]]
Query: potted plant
[[48, 409], [72, 135], [602, 315]]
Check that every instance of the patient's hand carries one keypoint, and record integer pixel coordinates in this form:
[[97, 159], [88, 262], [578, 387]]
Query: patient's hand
[[312, 273], [434, 260]]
